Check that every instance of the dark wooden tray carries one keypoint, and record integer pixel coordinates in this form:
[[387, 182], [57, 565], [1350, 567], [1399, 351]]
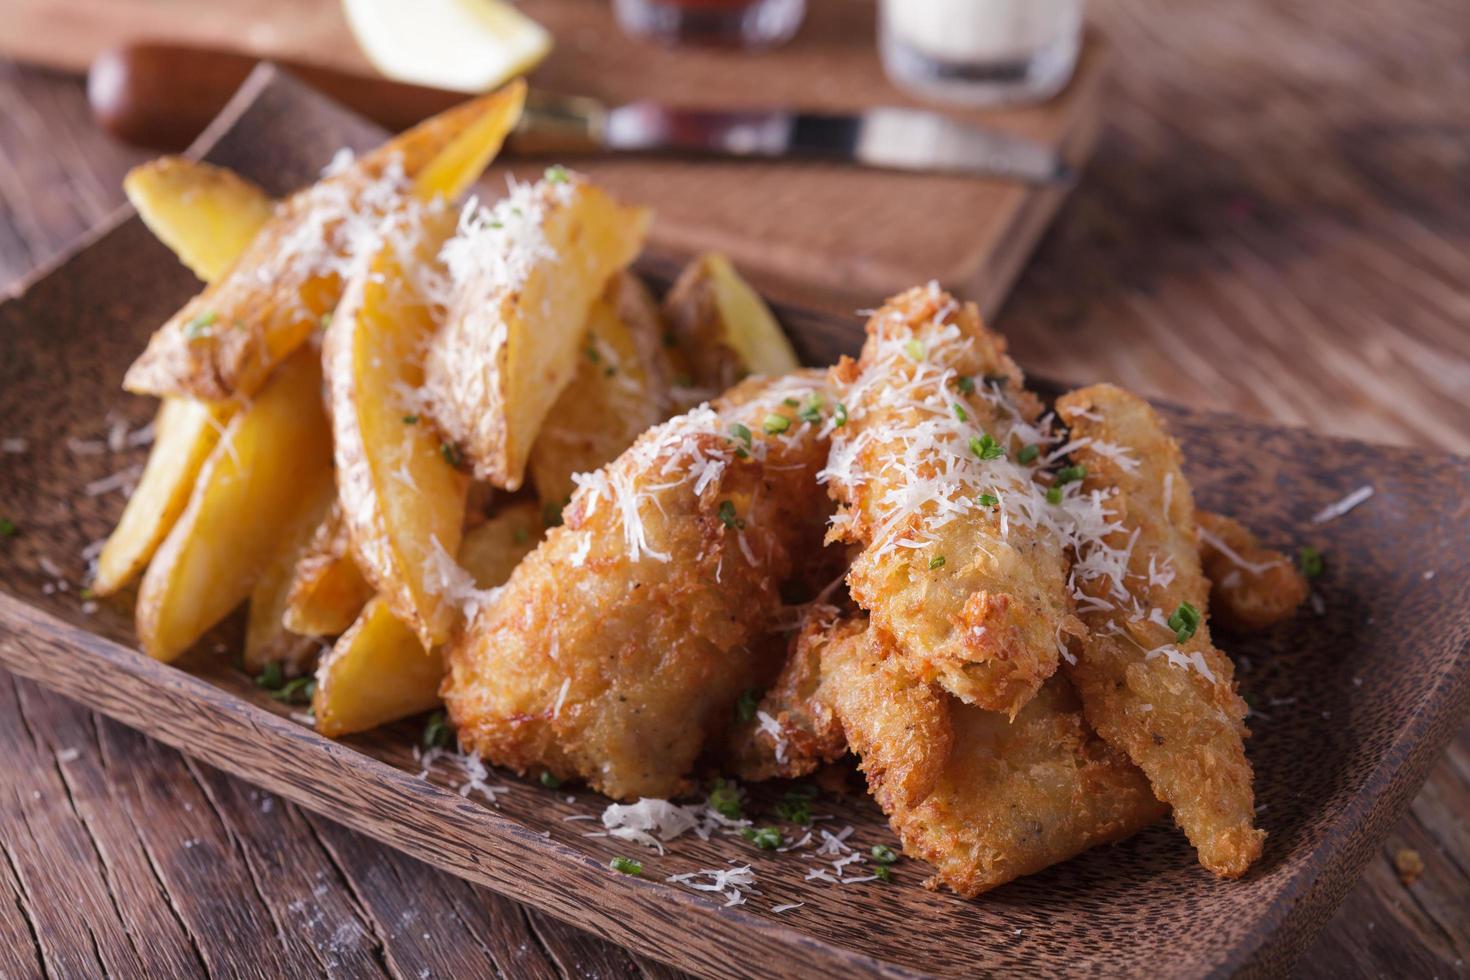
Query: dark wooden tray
[[1356, 701]]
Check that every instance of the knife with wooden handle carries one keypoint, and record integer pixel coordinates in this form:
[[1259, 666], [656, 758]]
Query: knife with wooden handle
[[162, 96]]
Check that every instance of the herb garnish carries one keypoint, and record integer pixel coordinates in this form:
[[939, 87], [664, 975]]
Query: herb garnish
[[628, 866], [437, 731], [1309, 559], [1184, 621], [776, 424], [766, 838]]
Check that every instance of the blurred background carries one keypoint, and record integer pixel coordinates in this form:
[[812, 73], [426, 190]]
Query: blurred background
[[1257, 207]]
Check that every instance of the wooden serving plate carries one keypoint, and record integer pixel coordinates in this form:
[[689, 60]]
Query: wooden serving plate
[[1355, 701]]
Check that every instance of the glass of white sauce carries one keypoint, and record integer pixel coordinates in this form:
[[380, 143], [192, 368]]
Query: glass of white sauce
[[980, 52]]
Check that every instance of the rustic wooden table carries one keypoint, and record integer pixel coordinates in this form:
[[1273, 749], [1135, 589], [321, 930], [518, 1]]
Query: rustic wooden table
[[1276, 224]]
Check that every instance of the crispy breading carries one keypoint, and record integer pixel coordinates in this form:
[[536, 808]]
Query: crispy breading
[[803, 731], [1251, 586], [622, 644], [956, 563], [983, 798], [1165, 698]]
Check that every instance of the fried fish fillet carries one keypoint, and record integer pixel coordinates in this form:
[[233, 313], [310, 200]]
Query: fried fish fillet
[[983, 798], [1151, 681], [1251, 586], [622, 644], [936, 468]]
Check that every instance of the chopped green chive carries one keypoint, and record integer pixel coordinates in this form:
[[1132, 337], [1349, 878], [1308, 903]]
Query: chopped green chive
[[883, 854], [728, 518], [839, 416], [592, 354], [7, 528], [812, 410], [884, 873], [1070, 474], [1184, 621], [985, 447], [298, 691], [451, 454], [1309, 559], [609, 371], [87, 594], [936, 562], [960, 413], [628, 866], [766, 838], [1028, 453], [965, 383], [1054, 495], [557, 174], [790, 402], [521, 535], [551, 512], [987, 500], [795, 811], [724, 799], [746, 706], [200, 325], [741, 432], [271, 678], [437, 731], [915, 349], [410, 420], [324, 322], [776, 424], [549, 780]]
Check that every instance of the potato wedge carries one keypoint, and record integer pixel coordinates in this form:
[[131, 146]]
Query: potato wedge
[[379, 671], [721, 326], [526, 275], [266, 638], [185, 432], [326, 591], [403, 498], [619, 391], [206, 214], [226, 340], [274, 460]]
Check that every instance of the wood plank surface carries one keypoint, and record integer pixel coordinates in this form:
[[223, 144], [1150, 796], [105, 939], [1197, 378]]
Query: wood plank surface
[[1275, 224]]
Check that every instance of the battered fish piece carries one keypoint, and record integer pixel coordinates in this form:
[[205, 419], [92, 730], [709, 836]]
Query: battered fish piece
[[962, 561], [795, 730], [1152, 683], [983, 798], [623, 642], [1251, 586]]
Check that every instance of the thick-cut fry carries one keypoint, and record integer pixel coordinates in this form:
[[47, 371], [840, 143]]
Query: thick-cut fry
[[1251, 586], [983, 798], [184, 433], [272, 461], [963, 558], [1152, 683], [379, 671], [402, 494], [618, 393], [526, 274], [266, 638], [326, 590], [206, 214], [722, 328], [226, 340], [624, 641]]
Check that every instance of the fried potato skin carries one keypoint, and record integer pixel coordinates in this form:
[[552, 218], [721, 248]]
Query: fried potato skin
[[206, 214], [985, 622], [326, 591], [267, 640], [1182, 725], [616, 666], [721, 326], [1252, 587], [983, 798]]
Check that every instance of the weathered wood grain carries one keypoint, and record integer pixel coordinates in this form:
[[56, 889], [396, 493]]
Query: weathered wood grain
[[1125, 287]]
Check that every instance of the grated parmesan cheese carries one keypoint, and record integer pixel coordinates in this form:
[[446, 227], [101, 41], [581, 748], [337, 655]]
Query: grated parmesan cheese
[[1336, 510]]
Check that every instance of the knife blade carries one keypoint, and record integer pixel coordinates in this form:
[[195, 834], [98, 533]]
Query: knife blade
[[163, 95]]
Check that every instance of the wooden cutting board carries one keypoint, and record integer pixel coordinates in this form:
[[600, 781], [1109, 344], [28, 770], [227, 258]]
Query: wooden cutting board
[[811, 234]]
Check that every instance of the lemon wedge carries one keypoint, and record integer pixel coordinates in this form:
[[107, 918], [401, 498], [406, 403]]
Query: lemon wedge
[[460, 45]]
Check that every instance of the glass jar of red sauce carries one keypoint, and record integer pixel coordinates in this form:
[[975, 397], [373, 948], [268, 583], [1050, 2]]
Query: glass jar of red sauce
[[727, 23]]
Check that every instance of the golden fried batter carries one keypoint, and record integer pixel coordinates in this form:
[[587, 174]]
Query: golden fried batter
[[959, 563], [1251, 586], [1151, 682], [983, 798], [623, 642]]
